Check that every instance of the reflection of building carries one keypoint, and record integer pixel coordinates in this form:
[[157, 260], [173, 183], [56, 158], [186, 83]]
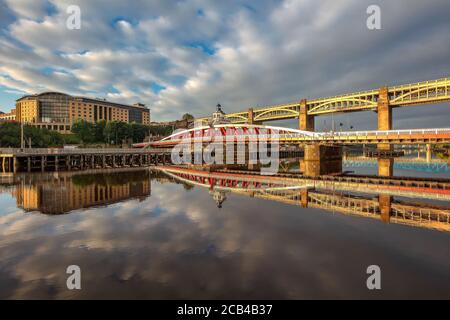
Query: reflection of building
[[57, 111], [218, 196], [65, 193], [11, 116]]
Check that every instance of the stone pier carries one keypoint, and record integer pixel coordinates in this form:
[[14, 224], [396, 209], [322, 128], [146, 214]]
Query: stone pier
[[321, 160]]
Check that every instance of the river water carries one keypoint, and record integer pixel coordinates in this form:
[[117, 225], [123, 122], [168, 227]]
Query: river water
[[147, 234]]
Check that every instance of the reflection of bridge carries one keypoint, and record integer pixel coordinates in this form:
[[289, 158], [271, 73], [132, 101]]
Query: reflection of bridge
[[416, 164], [361, 196]]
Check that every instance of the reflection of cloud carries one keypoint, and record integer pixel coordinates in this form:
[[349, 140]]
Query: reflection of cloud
[[248, 249]]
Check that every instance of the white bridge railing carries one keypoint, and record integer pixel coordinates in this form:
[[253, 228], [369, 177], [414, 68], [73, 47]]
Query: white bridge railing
[[76, 151]]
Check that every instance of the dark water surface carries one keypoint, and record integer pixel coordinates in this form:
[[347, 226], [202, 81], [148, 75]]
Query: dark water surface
[[139, 234]]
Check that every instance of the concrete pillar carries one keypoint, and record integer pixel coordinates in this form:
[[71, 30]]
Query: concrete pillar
[[251, 117], [304, 198], [43, 163], [103, 161], [428, 152], [3, 164], [56, 163], [28, 164], [321, 160], [81, 162], [92, 161], [384, 115], [69, 164], [385, 167], [15, 164], [113, 161], [305, 122], [384, 202]]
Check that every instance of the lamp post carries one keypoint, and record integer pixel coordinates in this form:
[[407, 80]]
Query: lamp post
[[21, 137]]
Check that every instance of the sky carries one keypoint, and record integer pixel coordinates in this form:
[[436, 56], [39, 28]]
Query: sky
[[187, 56]]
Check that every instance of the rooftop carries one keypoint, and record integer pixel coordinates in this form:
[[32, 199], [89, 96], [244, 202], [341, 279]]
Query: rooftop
[[135, 105]]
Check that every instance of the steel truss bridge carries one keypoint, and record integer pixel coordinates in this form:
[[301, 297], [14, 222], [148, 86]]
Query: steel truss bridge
[[287, 136], [427, 92], [360, 196]]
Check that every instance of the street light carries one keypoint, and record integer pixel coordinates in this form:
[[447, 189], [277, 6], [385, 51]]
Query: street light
[[21, 137]]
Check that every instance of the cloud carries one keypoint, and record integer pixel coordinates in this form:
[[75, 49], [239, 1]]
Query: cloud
[[239, 54], [178, 244]]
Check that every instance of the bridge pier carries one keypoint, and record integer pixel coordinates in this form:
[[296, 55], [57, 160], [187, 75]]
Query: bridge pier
[[321, 160], [384, 202], [428, 152], [384, 116], [251, 117], [305, 121], [385, 167], [304, 198]]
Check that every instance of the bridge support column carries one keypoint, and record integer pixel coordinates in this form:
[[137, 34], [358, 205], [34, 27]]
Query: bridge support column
[[305, 121], [304, 198], [384, 202], [15, 164], [428, 152], [250, 117], [321, 160], [43, 161], [385, 167], [384, 115]]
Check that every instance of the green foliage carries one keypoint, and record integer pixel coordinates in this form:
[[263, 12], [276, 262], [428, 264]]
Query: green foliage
[[187, 116], [161, 130], [40, 138], [83, 132]]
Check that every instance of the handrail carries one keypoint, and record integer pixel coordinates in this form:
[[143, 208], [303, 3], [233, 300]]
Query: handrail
[[57, 151]]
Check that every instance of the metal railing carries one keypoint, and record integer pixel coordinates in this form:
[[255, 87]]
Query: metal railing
[[59, 151]]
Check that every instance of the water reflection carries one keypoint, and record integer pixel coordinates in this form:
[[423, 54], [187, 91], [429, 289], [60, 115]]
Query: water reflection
[[57, 193], [160, 234], [363, 196]]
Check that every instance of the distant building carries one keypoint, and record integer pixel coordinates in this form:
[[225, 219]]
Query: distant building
[[218, 117], [58, 111], [11, 116]]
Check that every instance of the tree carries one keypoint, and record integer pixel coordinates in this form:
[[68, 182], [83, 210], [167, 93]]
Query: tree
[[187, 116], [84, 130], [40, 138]]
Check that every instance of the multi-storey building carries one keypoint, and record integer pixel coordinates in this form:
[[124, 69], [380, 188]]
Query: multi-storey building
[[58, 111], [11, 116]]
